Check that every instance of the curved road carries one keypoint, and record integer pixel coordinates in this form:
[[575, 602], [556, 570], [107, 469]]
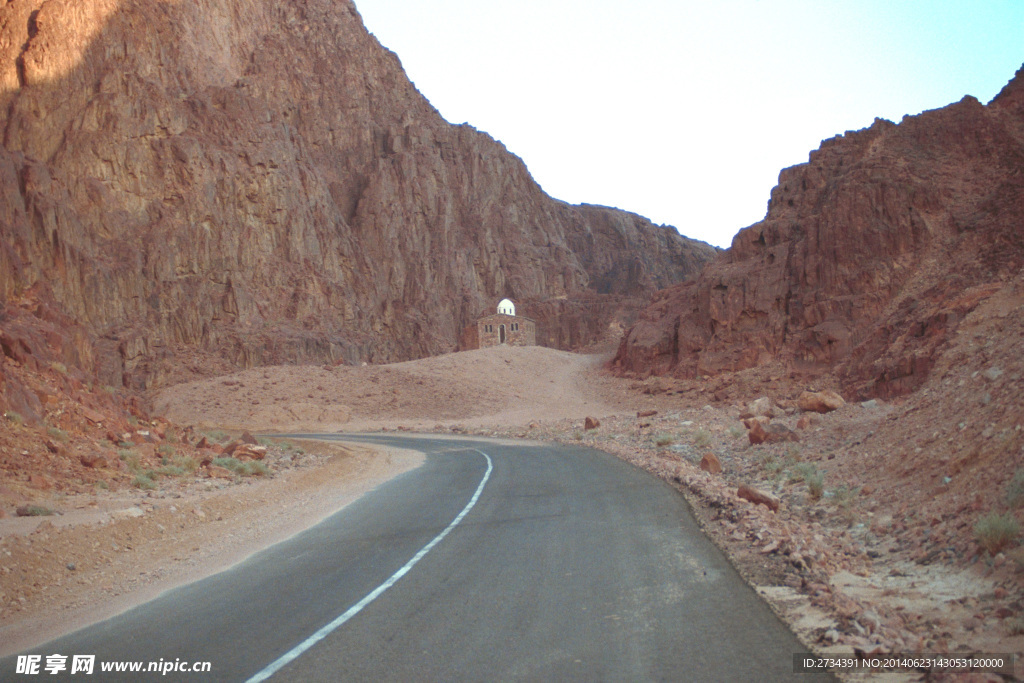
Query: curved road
[[489, 562]]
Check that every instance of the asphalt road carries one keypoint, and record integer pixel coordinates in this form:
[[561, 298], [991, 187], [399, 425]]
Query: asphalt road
[[488, 563]]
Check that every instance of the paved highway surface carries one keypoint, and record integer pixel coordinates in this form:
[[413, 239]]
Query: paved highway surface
[[491, 562]]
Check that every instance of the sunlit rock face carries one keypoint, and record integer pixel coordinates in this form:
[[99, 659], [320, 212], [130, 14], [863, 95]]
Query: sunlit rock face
[[869, 256], [255, 181]]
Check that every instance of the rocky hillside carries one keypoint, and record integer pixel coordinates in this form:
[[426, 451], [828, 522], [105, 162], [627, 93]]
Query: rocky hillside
[[869, 257], [209, 185]]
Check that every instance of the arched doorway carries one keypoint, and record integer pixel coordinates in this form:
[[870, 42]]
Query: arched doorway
[[501, 334]]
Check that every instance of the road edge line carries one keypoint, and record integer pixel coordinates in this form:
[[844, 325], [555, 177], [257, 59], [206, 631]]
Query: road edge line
[[326, 630]]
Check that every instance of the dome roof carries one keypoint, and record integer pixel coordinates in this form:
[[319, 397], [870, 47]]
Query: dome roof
[[507, 307]]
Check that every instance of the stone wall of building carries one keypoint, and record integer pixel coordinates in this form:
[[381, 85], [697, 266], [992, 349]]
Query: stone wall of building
[[518, 331]]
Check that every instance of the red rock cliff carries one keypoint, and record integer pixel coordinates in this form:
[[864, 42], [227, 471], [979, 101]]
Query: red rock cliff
[[253, 181], [869, 255]]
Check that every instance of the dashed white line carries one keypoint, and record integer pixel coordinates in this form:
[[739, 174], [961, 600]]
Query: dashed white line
[[296, 651]]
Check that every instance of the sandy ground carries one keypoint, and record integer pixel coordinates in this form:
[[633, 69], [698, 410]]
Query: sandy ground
[[473, 389], [884, 560]]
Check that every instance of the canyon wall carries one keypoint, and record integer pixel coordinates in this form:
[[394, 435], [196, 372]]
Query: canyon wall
[[206, 185], [869, 255]]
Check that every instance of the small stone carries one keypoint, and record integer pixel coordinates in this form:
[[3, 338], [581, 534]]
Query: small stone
[[647, 413], [71, 566], [758, 497], [993, 373], [591, 423], [248, 438]]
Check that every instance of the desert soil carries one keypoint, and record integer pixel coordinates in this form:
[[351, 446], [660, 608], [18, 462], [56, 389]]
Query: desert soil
[[884, 560]]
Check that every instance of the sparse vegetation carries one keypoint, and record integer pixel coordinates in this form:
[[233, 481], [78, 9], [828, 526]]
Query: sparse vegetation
[[59, 367], [578, 436], [1015, 490], [144, 480], [1015, 626], [58, 434], [36, 511], [166, 450], [14, 417], [217, 436], [663, 440], [737, 432], [169, 471], [701, 439], [843, 496], [131, 459], [245, 469], [809, 474], [996, 532], [172, 435]]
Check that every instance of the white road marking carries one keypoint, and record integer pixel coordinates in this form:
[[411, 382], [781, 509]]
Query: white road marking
[[297, 651]]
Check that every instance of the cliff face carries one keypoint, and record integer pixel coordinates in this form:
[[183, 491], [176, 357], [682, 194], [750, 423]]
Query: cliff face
[[869, 255], [252, 181]]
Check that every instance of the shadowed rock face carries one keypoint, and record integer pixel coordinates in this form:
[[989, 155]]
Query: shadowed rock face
[[259, 182], [869, 255]]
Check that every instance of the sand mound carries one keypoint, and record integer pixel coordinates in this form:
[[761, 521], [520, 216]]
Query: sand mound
[[501, 385]]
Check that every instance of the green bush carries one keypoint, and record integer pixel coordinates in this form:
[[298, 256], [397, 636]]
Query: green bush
[[144, 480], [996, 532], [14, 417], [245, 469], [217, 436], [58, 434], [701, 439], [131, 459], [166, 450], [37, 511]]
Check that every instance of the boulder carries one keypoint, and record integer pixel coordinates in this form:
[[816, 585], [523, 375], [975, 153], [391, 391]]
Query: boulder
[[820, 401], [779, 433], [218, 472], [757, 433], [247, 452], [711, 463], [93, 460], [758, 497], [591, 423], [762, 407], [248, 438]]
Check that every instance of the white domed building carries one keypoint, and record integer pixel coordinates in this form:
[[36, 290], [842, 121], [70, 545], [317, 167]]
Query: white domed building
[[505, 327]]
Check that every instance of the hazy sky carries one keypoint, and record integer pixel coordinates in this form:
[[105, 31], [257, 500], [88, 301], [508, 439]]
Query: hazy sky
[[685, 112]]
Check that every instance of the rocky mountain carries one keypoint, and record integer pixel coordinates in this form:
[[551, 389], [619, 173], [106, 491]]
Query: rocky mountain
[[869, 256], [209, 185]]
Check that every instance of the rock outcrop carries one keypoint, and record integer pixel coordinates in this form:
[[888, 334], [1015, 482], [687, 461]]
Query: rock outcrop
[[211, 184], [869, 256]]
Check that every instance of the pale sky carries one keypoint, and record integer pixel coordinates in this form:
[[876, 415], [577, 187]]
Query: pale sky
[[685, 112]]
